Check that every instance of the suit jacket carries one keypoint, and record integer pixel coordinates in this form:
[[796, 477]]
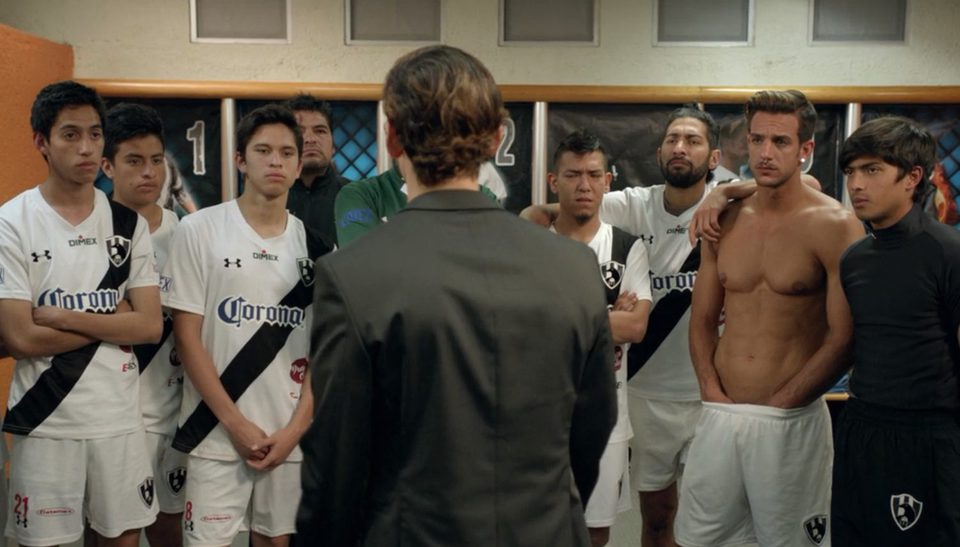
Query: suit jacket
[[462, 367]]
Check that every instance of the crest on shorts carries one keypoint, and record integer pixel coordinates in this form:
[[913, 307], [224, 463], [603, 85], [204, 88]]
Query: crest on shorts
[[305, 265], [815, 528], [906, 510], [146, 492], [612, 273], [118, 249], [176, 479]]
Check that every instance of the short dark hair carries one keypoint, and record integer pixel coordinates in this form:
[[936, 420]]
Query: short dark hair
[[790, 101], [266, 115], [129, 121], [55, 97], [691, 111], [446, 110], [896, 140], [305, 101], [579, 142]]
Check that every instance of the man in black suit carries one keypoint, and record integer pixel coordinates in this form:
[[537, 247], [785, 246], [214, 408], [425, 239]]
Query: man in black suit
[[461, 356]]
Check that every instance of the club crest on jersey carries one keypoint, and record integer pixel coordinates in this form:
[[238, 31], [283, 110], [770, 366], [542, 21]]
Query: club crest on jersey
[[146, 492], [298, 369], [305, 266], [906, 510], [176, 479], [612, 273], [118, 249], [815, 528]]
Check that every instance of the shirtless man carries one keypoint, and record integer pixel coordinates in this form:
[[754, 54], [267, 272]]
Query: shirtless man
[[759, 466]]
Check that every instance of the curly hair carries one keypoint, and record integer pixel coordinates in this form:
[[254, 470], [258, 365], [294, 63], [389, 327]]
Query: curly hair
[[446, 110]]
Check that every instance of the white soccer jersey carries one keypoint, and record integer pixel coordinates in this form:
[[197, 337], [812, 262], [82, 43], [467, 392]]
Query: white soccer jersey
[[161, 376], [634, 279], [255, 297], [668, 373], [91, 392]]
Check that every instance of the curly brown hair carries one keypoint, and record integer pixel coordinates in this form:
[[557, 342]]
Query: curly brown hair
[[446, 110]]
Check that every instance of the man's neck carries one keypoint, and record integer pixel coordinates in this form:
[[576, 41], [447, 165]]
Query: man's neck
[[267, 216], [74, 202], [677, 200], [582, 231], [894, 218], [150, 211], [415, 189], [783, 197], [308, 178]]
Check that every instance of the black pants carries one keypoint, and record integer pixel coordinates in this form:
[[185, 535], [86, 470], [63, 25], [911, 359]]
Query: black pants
[[896, 478]]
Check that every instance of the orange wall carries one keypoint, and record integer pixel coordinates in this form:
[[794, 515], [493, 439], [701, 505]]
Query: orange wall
[[27, 63]]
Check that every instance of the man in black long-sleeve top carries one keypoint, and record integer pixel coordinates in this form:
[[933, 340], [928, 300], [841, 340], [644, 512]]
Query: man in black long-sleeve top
[[897, 461], [460, 356]]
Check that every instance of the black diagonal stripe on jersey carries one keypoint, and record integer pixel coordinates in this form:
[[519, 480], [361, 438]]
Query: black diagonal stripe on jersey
[[55, 383], [663, 319], [146, 352], [252, 359]]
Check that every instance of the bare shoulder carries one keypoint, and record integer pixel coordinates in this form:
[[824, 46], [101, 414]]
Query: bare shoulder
[[832, 226]]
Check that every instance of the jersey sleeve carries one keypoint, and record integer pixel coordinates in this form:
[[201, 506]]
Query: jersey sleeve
[[636, 277], [184, 284], [143, 266], [354, 213], [620, 208], [14, 280]]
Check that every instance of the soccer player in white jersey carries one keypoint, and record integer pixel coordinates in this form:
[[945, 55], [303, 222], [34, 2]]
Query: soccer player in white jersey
[[239, 280], [580, 179], [133, 158], [663, 392], [78, 285]]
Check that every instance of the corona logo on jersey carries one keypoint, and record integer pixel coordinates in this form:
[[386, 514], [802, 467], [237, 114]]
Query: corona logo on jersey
[[236, 311], [100, 300], [682, 281]]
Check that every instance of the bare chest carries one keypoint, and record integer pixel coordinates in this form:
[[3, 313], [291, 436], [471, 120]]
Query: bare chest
[[780, 257]]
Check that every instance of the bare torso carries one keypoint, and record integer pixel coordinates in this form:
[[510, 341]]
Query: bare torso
[[770, 265]]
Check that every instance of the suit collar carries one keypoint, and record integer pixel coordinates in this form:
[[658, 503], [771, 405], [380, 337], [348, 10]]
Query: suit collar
[[452, 200]]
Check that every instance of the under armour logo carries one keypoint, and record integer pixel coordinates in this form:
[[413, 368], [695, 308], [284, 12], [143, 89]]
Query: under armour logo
[[44, 255], [188, 525], [646, 239], [227, 262]]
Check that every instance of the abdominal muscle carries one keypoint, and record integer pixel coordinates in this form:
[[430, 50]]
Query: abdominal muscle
[[767, 339]]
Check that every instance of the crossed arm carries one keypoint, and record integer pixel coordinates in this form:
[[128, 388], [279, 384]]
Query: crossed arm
[[49, 330]]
